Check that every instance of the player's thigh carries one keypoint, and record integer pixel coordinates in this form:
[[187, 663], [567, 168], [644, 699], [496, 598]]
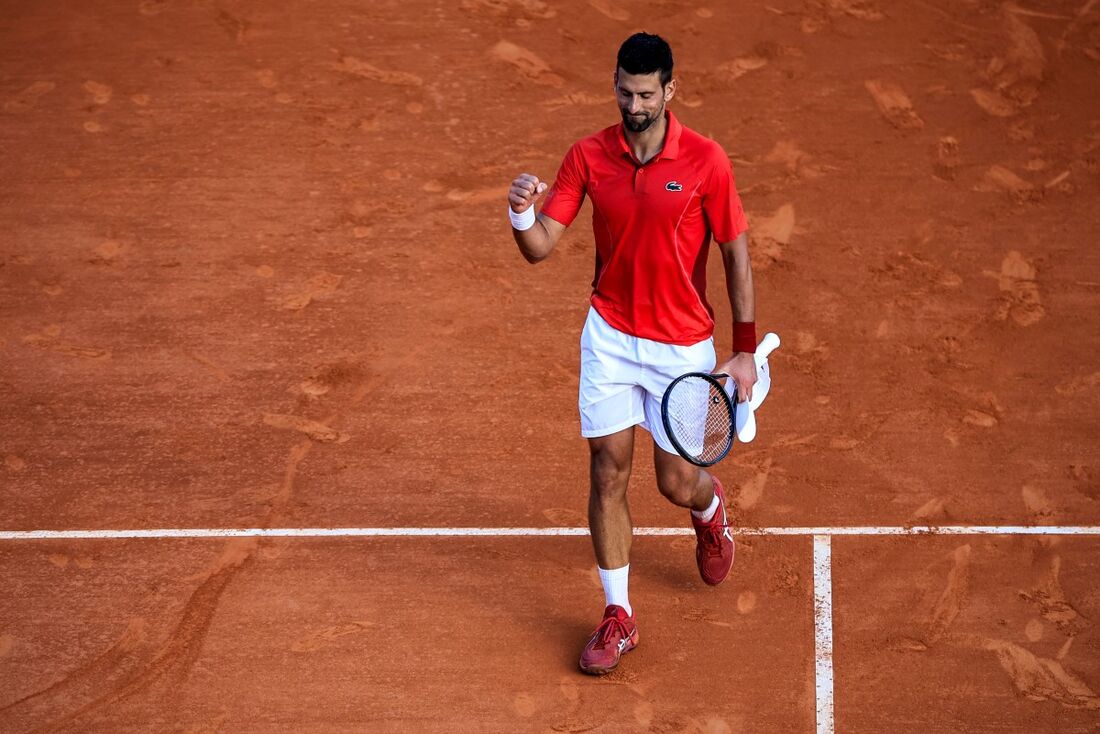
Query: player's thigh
[[610, 461], [610, 395]]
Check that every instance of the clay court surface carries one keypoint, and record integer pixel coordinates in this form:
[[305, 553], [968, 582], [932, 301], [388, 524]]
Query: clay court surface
[[255, 272]]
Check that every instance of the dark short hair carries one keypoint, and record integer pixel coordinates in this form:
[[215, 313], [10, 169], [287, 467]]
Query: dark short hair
[[645, 53]]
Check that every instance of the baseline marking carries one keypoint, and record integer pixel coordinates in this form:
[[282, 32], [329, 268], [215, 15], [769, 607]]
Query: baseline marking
[[532, 532], [822, 559], [823, 631]]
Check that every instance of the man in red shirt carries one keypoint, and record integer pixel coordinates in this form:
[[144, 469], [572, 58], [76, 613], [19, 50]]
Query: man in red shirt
[[660, 193]]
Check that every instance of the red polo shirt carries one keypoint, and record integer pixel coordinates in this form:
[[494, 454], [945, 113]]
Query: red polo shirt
[[652, 224]]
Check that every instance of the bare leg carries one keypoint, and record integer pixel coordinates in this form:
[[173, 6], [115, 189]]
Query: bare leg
[[687, 485], [608, 512], [681, 482]]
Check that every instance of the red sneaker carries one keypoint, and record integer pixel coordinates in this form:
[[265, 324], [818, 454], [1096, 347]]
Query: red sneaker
[[714, 546], [616, 634]]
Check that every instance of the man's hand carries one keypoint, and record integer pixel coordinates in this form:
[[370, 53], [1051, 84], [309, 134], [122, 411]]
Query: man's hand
[[536, 242], [524, 192], [741, 368]]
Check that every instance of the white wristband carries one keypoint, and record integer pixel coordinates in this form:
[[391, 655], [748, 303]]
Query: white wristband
[[523, 220]]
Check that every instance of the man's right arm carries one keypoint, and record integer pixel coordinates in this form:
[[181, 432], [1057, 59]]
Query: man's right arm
[[537, 241]]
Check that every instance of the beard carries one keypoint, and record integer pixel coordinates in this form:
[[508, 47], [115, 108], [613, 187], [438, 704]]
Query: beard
[[640, 123]]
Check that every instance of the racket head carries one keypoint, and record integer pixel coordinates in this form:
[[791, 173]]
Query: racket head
[[698, 417]]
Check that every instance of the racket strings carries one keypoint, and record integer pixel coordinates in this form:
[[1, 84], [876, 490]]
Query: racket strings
[[700, 418]]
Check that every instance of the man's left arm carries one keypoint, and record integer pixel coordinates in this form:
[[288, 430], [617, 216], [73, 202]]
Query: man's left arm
[[741, 365]]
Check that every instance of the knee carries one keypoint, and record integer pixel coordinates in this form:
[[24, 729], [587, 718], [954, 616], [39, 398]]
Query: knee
[[679, 487], [609, 476]]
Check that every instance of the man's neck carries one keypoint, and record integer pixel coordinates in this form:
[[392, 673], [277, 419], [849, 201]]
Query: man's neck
[[647, 144]]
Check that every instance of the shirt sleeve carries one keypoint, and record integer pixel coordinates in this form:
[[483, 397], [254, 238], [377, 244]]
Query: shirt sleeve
[[565, 197], [721, 202]]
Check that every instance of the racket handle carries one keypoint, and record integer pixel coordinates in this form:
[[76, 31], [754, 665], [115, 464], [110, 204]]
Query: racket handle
[[767, 345]]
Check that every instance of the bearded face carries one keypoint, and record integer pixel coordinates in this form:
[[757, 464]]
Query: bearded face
[[641, 99]]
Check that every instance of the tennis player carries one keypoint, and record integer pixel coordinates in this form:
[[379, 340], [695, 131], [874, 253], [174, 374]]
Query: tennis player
[[660, 193]]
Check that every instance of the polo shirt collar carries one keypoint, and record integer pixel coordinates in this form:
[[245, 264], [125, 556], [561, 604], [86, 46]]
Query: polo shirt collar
[[671, 149]]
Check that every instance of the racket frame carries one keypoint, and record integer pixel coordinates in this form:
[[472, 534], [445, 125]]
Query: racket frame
[[713, 379]]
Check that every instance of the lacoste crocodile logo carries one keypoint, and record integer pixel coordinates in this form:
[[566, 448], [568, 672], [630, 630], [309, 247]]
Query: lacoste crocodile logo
[[674, 186]]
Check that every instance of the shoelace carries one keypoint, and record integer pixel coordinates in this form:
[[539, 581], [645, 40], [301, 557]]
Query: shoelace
[[712, 538], [605, 632]]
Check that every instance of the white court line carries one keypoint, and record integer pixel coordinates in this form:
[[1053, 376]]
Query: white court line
[[823, 631], [822, 537], [532, 532]]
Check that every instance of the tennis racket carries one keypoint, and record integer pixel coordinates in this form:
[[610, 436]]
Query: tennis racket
[[699, 413], [698, 417]]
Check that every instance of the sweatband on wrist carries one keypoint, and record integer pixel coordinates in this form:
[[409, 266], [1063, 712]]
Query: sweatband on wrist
[[523, 220], [744, 336]]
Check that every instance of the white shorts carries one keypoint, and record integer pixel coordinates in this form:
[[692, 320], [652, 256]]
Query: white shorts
[[624, 377]]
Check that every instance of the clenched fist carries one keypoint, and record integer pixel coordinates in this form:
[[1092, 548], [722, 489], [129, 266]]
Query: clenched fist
[[524, 192]]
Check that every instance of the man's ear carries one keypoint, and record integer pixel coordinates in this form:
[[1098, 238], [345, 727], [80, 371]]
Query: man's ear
[[670, 90]]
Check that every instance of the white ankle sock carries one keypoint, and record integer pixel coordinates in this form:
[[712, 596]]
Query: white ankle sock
[[615, 586], [708, 514]]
